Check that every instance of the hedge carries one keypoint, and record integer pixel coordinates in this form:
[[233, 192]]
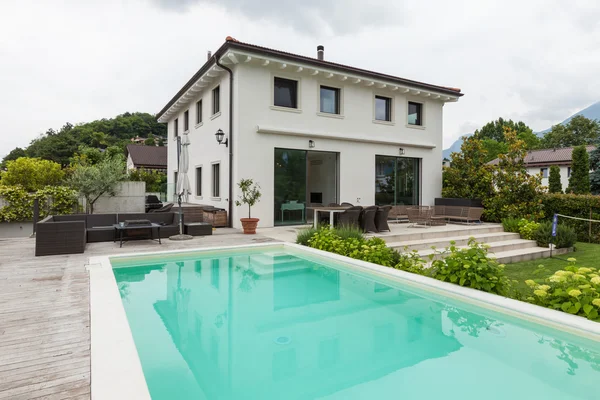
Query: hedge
[[575, 205], [53, 200]]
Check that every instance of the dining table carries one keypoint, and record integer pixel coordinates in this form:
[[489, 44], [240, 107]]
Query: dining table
[[331, 210]]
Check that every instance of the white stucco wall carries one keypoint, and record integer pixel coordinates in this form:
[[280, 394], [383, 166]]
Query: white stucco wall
[[346, 135], [564, 175], [130, 164]]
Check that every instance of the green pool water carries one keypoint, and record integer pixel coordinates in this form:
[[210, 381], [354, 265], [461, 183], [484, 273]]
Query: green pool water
[[275, 323]]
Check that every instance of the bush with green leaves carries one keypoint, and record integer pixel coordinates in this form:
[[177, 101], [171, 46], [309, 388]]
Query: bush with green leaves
[[575, 205], [527, 229], [53, 200], [565, 235], [511, 224], [470, 267], [574, 290], [304, 236]]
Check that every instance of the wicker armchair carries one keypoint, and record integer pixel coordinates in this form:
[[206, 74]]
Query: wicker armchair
[[381, 218], [420, 215], [368, 219], [350, 217]]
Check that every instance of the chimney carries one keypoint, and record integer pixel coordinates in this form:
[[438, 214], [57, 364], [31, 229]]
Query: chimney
[[208, 55], [320, 52]]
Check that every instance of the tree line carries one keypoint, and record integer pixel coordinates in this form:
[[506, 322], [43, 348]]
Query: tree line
[[108, 133]]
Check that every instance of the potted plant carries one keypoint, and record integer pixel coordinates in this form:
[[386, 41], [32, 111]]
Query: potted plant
[[250, 196]]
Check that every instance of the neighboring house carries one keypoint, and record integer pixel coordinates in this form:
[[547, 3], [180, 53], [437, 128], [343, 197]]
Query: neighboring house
[[142, 140], [540, 161], [308, 131], [147, 157]]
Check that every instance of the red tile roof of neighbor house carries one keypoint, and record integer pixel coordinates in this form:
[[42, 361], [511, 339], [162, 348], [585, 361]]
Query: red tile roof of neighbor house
[[154, 157], [547, 157], [232, 43]]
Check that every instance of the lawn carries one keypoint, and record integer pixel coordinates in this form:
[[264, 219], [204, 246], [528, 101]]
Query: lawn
[[587, 255]]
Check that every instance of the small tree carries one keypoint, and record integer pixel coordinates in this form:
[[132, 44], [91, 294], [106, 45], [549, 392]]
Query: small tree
[[92, 181], [250, 194], [150, 140], [554, 184], [32, 173], [579, 181], [595, 167]]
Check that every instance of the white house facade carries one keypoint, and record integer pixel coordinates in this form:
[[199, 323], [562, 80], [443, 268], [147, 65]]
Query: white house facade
[[308, 131]]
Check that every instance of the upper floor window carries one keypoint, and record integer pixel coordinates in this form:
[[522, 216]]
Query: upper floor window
[[383, 108], [198, 111], [176, 127], [330, 100], [216, 100], [544, 172], [415, 113], [285, 93], [568, 172], [186, 120]]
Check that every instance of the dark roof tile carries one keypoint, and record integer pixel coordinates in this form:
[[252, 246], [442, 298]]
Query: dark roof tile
[[148, 156]]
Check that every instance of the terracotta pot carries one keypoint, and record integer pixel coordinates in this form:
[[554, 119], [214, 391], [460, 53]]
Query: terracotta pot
[[249, 225]]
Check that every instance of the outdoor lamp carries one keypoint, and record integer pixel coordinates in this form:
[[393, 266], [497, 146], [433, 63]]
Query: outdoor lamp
[[311, 144], [401, 151], [220, 135]]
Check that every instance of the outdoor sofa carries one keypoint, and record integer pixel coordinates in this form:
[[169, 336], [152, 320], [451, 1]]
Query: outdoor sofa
[[68, 234]]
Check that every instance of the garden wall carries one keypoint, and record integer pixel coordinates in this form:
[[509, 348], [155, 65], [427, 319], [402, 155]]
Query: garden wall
[[130, 198]]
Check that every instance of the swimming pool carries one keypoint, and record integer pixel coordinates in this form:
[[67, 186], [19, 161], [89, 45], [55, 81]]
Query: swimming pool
[[275, 322]]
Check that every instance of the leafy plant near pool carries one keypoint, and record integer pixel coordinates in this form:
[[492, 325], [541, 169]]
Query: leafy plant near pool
[[574, 290], [470, 267], [527, 228]]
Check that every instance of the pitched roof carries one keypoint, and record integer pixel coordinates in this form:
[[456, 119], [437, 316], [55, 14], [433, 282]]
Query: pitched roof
[[545, 157], [231, 43], [148, 156]]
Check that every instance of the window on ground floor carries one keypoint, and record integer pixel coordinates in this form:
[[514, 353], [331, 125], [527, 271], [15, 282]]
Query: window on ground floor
[[198, 181], [544, 172], [216, 174], [397, 180]]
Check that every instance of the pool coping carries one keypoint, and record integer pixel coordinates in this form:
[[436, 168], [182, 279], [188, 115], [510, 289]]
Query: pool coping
[[116, 370]]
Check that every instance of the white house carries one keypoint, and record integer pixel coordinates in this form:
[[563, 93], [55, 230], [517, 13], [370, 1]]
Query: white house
[[540, 161], [308, 131]]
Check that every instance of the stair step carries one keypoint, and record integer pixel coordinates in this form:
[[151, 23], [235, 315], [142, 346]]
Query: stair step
[[513, 256], [439, 243], [495, 247], [422, 233]]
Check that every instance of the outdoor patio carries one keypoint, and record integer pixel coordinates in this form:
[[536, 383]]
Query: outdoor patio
[[44, 313]]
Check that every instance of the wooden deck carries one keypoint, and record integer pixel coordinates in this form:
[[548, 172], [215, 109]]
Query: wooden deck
[[45, 318], [44, 324]]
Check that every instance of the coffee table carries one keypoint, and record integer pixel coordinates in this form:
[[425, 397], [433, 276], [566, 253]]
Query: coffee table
[[121, 231]]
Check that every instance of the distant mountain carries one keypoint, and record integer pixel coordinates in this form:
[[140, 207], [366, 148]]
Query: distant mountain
[[592, 112]]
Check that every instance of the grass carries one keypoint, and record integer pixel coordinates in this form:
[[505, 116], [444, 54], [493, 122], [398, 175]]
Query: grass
[[587, 255]]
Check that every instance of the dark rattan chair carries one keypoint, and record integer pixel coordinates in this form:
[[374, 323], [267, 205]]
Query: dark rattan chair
[[165, 208], [350, 217], [347, 205], [381, 218], [368, 219]]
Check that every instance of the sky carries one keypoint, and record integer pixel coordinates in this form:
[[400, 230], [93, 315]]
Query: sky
[[80, 60]]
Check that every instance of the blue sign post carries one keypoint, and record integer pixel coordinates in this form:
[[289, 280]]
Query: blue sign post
[[554, 225]]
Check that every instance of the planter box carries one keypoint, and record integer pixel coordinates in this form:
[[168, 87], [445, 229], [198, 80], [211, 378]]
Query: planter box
[[216, 217], [458, 202]]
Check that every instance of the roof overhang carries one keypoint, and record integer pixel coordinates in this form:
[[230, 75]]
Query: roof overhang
[[233, 52]]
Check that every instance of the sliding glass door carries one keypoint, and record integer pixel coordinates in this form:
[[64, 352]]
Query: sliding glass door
[[290, 186], [397, 180]]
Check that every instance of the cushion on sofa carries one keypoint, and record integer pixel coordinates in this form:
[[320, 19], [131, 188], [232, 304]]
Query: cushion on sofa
[[71, 217], [95, 220], [163, 218]]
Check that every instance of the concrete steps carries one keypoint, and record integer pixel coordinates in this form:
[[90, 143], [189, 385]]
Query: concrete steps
[[504, 246]]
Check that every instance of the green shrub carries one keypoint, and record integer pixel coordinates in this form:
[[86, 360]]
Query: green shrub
[[470, 267], [527, 229], [349, 232], [565, 235], [581, 206], [511, 225], [410, 261], [574, 290], [53, 200], [304, 236]]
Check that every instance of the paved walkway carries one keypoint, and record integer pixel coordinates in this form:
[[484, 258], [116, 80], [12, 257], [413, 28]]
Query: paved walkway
[[44, 314]]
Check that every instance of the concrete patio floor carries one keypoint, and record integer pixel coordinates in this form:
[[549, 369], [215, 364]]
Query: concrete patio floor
[[44, 313]]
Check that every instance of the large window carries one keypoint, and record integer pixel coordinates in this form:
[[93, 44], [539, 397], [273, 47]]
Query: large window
[[396, 180], [415, 113], [176, 127], [383, 108], [330, 100], [216, 100], [198, 181], [186, 120], [286, 93], [216, 187], [198, 111]]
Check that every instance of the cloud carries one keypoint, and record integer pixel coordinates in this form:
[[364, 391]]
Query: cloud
[[314, 17]]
